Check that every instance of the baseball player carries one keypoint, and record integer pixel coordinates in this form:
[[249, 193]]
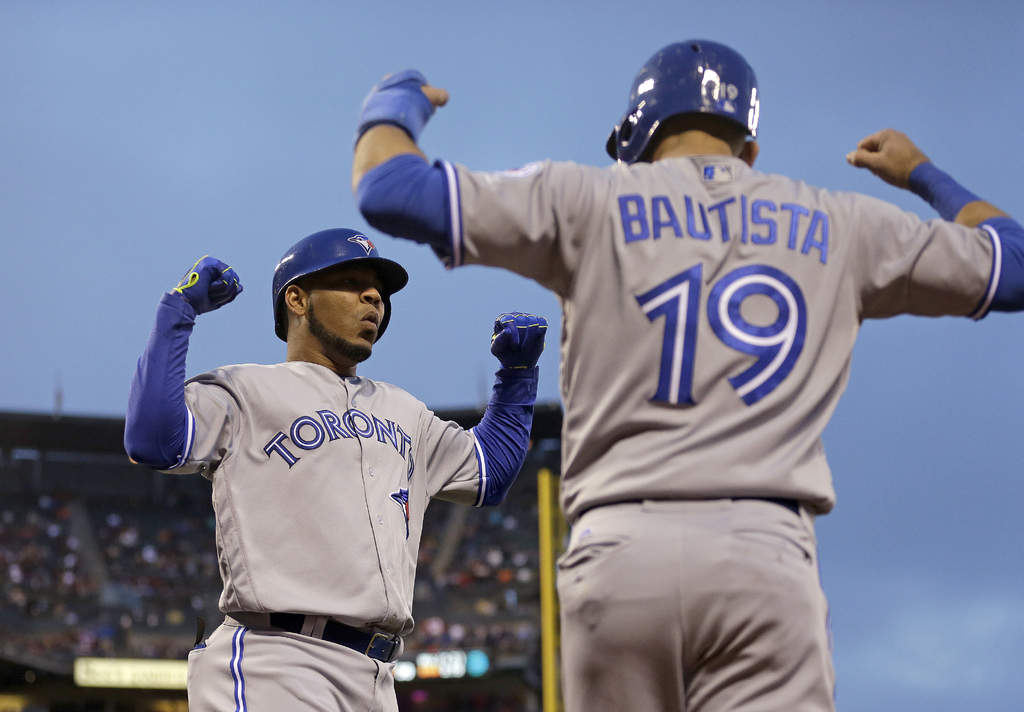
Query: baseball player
[[320, 477], [709, 314]]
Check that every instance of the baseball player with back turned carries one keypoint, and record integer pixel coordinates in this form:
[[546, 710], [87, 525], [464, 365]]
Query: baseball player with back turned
[[320, 477], [709, 314]]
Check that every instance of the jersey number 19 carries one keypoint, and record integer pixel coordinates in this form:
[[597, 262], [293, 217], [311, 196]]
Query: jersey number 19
[[775, 346]]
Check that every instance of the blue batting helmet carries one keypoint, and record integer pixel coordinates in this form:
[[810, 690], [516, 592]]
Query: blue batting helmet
[[695, 76], [323, 250]]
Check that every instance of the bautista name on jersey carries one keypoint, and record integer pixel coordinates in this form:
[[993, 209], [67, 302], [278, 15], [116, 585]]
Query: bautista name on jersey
[[760, 221], [734, 295]]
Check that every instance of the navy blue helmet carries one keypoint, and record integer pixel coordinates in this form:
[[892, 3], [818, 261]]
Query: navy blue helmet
[[323, 250], [695, 76]]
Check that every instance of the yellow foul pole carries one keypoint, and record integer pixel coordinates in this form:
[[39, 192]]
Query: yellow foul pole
[[549, 535]]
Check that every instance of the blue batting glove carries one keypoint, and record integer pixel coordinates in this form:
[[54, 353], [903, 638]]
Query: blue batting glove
[[397, 99], [209, 285], [518, 339]]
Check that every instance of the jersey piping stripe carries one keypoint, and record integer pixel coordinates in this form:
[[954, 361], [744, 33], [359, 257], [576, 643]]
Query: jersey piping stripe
[[237, 650], [456, 213], [482, 471], [190, 438], [993, 280]]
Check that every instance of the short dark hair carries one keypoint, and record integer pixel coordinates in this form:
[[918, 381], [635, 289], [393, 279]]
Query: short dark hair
[[721, 128]]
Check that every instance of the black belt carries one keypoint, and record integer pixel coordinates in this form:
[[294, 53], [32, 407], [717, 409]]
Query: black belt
[[379, 646], [790, 504]]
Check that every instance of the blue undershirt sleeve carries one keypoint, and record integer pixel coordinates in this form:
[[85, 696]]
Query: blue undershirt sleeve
[[1006, 290], [940, 190], [504, 431], [1008, 271], [408, 197], [157, 422]]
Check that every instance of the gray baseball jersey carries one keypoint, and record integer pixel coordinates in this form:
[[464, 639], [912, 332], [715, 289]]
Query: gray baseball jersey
[[709, 312], [320, 484]]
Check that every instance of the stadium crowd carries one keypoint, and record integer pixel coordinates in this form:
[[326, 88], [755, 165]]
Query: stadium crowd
[[106, 575]]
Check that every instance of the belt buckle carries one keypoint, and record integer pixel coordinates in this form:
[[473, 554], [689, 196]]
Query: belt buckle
[[386, 650]]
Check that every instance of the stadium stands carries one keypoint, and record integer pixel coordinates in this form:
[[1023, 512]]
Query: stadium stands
[[104, 558]]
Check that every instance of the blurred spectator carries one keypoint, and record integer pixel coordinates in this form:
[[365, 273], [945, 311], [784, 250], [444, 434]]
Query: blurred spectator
[[142, 571], [43, 576]]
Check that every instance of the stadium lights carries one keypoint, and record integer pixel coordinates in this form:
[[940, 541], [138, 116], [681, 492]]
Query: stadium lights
[[131, 673], [446, 664], [173, 674]]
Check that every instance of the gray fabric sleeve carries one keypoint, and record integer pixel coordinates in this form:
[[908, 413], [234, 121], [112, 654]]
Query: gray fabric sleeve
[[214, 416], [531, 221], [448, 455], [904, 265]]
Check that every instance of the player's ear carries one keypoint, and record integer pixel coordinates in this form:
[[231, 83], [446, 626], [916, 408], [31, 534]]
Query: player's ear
[[296, 300], [749, 152]]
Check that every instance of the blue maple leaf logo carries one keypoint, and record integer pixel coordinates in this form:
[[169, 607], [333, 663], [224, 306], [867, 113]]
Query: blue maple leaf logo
[[401, 498]]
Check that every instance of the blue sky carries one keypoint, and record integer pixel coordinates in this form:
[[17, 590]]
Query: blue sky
[[137, 136]]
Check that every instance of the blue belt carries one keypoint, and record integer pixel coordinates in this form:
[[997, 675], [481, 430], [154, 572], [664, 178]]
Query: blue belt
[[379, 646]]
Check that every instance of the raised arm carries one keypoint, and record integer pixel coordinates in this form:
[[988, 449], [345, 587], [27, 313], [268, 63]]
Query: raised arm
[[894, 158], [158, 425], [392, 117], [397, 190], [503, 434]]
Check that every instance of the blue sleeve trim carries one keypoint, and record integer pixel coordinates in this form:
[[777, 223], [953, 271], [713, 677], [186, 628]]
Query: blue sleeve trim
[[994, 275], [455, 219], [940, 190], [190, 438], [1006, 287], [481, 463], [503, 434], [159, 428], [407, 197]]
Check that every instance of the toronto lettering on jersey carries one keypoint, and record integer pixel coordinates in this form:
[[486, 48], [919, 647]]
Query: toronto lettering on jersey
[[309, 433], [761, 222]]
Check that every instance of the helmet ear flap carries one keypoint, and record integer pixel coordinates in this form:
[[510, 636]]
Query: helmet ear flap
[[620, 137], [625, 132], [611, 146]]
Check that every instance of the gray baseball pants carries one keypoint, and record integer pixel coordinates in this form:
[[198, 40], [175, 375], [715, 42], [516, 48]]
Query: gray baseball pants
[[245, 669], [695, 606]]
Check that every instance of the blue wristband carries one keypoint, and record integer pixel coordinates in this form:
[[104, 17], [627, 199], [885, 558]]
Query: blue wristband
[[398, 100], [940, 190]]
